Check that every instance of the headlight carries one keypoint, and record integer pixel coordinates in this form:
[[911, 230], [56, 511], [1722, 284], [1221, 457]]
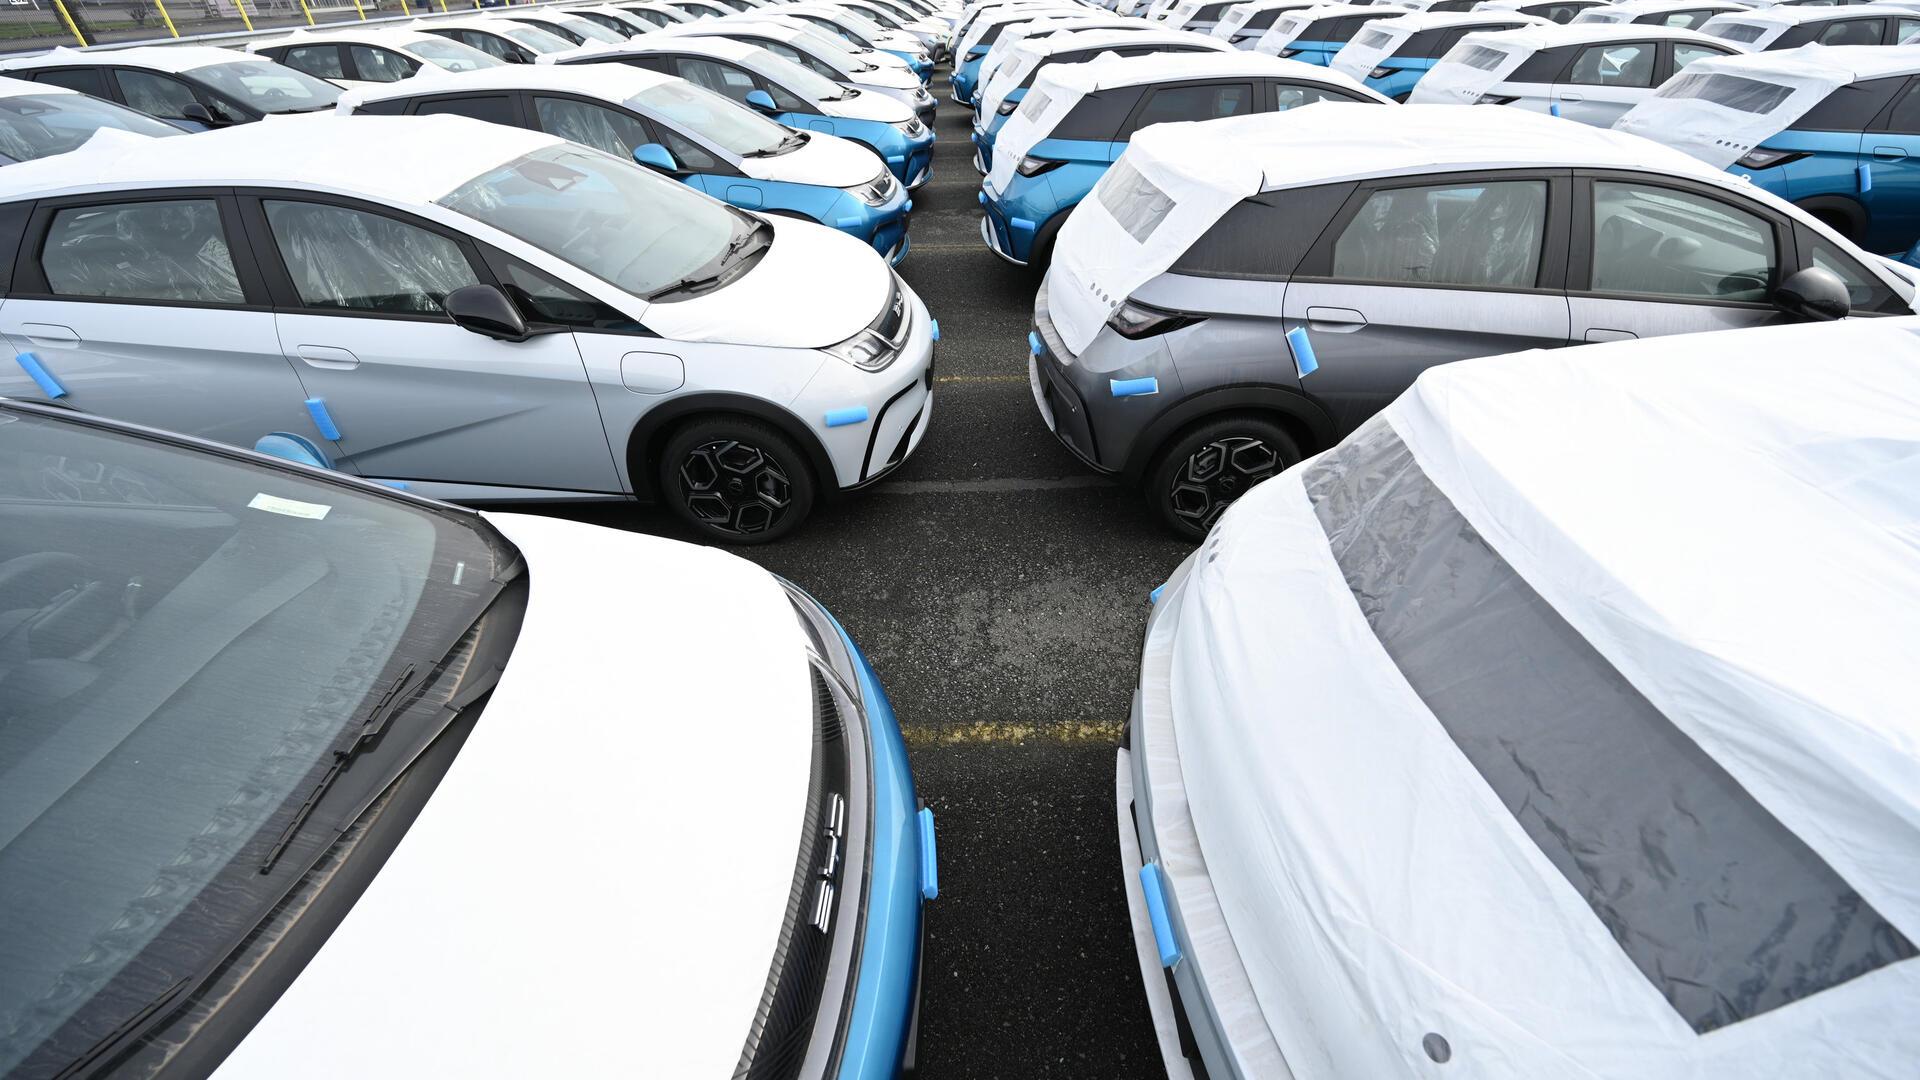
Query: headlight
[[1034, 166], [921, 97], [1758, 158], [1006, 107], [876, 191], [1495, 99], [865, 350], [912, 128], [1134, 320]]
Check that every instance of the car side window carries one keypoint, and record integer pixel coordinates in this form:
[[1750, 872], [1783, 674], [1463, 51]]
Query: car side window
[[1686, 20], [1618, 64], [84, 79], [1904, 30], [497, 47], [156, 95], [1684, 54], [381, 65], [592, 125], [1486, 235], [174, 249], [541, 299], [1655, 241], [1864, 291], [1174, 103], [798, 57], [1288, 96], [352, 260], [320, 61], [493, 108], [689, 155], [717, 77], [1905, 115], [1852, 32]]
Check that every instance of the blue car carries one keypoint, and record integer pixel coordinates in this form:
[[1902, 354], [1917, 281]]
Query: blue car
[[1852, 159], [1051, 159], [1392, 53], [728, 151], [1316, 35]]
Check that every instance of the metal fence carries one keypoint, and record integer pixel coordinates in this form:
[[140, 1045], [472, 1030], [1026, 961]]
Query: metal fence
[[28, 26]]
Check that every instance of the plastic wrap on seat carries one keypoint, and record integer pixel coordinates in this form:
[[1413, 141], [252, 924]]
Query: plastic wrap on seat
[[590, 125], [342, 258], [172, 250]]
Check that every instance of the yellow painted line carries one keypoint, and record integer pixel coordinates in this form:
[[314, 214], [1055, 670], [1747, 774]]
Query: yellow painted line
[[989, 733]]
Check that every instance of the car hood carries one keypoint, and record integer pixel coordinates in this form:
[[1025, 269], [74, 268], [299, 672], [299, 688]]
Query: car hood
[[604, 869], [815, 286], [870, 105], [893, 78], [827, 160]]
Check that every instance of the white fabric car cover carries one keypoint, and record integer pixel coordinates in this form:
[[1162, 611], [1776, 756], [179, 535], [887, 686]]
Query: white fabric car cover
[[1012, 37], [1561, 723], [1475, 64], [1720, 108], [1013, 72], [1280, 36], [1239, 15], [1383, 37]]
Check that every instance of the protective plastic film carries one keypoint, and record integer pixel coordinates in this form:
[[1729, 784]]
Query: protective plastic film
[[170, 250], [1472, 67], [1725, 910], [1722, 107]]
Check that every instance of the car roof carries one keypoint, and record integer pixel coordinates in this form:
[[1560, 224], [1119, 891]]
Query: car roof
[[721, 48], [758, 22], [406, 160], [398, 37], [1109, 71], [170, 58], [1856, 62], [22, 87], [1796, 14], [608, 82], [1416, 21], [1651, 7], [1070, 40], [1553, 35]]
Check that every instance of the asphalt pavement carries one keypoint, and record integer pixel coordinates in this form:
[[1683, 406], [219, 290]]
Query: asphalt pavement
[[1000, 590]]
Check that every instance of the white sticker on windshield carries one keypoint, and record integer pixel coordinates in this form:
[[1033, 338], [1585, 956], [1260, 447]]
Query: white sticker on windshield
[[274, 504]]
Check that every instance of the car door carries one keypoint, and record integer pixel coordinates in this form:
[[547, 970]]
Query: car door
[[1890, 150], [1418, 271], [1606, 80], [148, 307], [411, 395], [1656, 256]]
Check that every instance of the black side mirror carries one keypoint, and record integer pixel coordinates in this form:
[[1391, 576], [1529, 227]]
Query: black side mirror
[[484, 309], [199, 114], [1814, 295]]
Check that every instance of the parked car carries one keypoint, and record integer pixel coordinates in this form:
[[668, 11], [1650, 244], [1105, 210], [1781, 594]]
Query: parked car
[[1045, 26], [684, 131], [1012, 78], [1785, 26], [574, 29], [799, 43], [38, 120], [789, 93], [1512, 783], [483, 313], [1391, 55], [505, 39], [275, 735], [979, 35], [1685, 14], [1836, 131], [350, 57], [1244, 24], [858, 30], [1554, 11], [1315, 35], [1592, 73], [931, 34], [617, 19], [701, 9], [1258, 309], [658, 14], [195, 86], [1079, 118]]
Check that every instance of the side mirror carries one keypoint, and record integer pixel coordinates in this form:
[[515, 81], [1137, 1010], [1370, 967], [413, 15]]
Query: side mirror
[[655, 156], [762, 100], [199, 114], [1814, 295], [484, 309], [290, 447]]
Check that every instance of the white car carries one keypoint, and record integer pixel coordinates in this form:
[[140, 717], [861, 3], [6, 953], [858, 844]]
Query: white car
[[808, 47], [38, 119], [576, 29], [350, 56], [1789, 26], [505, 39], [1245, 23], [657, 14], [483, 313], [1686, 14], [328, 738], [1590, 72], [859, 30], [1494, 741], [195, 86]]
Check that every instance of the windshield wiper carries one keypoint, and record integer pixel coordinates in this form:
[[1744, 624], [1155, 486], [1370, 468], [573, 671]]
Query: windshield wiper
[[378, 719], [788, 142], [688, 284]]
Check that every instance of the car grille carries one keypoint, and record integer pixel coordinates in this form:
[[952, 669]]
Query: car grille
[[892, 322], [783, 1025], [877, 191]]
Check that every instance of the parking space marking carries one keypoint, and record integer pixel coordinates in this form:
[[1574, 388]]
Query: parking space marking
[[979, 378], [1003, 733]]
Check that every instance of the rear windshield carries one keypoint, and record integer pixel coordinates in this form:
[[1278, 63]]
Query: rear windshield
[[1481, 57], [1743, 33], [1733, 91], [1373, 39], [1133, 200]]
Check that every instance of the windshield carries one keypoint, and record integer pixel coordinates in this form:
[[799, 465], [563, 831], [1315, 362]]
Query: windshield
[[798, 79], [40, 125], [840, 32], [450, 55], [536, 39], [268, 87], [190, 637], [877, 15], [830, 51], [718, 120], [588, 29], [623, 224], [861, 25]]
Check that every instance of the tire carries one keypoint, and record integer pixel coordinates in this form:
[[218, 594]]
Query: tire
[[1206, 467], [736, 480]]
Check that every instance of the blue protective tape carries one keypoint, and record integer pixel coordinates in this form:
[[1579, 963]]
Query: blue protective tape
[[1157, 913], [849, 222], [983, 198], [49, 385], [1303, 359], [1033, 343], [1154, 596], [856, 414], [907, 209], [322, 419], [1865, 172], [936, 329], [929, 857], [1022, 224], [1134, 387], [1554, 108], [397, 485]]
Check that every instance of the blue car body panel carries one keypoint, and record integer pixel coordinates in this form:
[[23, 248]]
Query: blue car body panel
[[983, 141], [882, 227], [1400, 81], [910, 159], [1829, 178], [966, 74], [1018, 215], [1320, 53], [921, 69], [885, 995]]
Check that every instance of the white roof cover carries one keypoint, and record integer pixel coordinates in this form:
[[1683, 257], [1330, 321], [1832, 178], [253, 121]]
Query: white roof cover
[[1720, 108], [1629, 10], [1038, 29], [1289, 26], [609, 82], [1059, 88], [1175, 180], [1013, 71], [1412, 826], [1238, 15], [174, 58], [398, 37], [19, 87], [1479, 62], [1012, 13], [1383, 37], [1758, 29]]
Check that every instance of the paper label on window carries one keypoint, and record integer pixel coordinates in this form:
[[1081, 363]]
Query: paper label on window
[[274, 504]]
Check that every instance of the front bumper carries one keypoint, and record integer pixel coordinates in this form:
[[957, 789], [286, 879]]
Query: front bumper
[[1012, 224], [1060, 403]]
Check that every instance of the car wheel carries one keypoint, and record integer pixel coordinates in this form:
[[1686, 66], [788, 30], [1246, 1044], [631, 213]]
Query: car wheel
[[1210, 465], [736, 480]]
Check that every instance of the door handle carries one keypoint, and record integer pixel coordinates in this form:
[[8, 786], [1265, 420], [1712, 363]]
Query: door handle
[[1335, 320], [1601, 334], [327, 356], [1888, 153], [1573, 97], [54, 334]]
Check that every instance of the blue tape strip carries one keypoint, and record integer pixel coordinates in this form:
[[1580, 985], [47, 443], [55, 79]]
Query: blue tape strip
[[1134, 387], [936, 328], [1303, 359], [49, 385], [855, 414], [1022, 224], [1157, 914], [907, 209], [983, 198], [1865, 172], [1154, 596], [929, 857], [849, 222], [1033, 343], [322, 419], [1553, 108], [397, 485]]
